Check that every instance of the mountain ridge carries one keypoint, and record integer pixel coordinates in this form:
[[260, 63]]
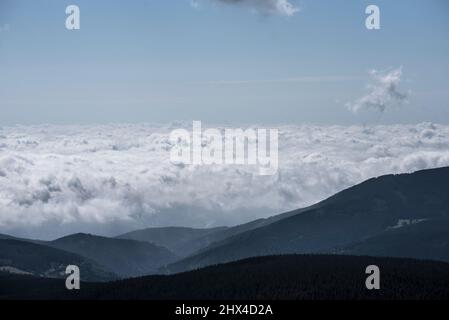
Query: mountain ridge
[[350, 216], [127, 258]]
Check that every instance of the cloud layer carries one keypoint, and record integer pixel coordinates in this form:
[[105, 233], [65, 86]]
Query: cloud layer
[[383, 92], [108, 179]]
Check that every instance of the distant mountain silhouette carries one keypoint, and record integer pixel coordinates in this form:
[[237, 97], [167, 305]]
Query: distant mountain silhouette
[[8, 237], [276, 277], [127, 258], [21, 257], [364, 211], [214, 239], [182, 241], [185, 241]]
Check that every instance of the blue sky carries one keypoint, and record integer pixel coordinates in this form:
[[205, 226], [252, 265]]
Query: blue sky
[[159, 61]]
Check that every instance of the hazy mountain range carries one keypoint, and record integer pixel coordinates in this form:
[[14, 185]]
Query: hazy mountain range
[[404, 215]]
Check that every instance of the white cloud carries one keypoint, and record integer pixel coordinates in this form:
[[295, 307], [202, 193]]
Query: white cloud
[[383, 92], [59, 179], [271, 7]]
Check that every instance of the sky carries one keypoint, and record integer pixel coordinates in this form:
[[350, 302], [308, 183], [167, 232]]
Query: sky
[[247, 61]]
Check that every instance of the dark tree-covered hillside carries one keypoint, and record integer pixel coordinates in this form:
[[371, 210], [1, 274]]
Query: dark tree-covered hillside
[[291, 277]]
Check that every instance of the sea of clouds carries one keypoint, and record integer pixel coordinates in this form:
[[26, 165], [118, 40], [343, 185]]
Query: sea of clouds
[[109, 179]]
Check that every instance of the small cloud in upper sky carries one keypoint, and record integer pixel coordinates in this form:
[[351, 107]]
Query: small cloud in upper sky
[[383, 92], [266, 7]]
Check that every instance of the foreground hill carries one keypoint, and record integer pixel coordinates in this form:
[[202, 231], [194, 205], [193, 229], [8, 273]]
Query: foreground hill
[[21, 257], [127, 258], [364, 211], [275, 277]]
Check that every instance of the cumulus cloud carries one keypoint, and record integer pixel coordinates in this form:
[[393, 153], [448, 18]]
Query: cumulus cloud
[[383, 92], [108, 179], [271, 7]]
